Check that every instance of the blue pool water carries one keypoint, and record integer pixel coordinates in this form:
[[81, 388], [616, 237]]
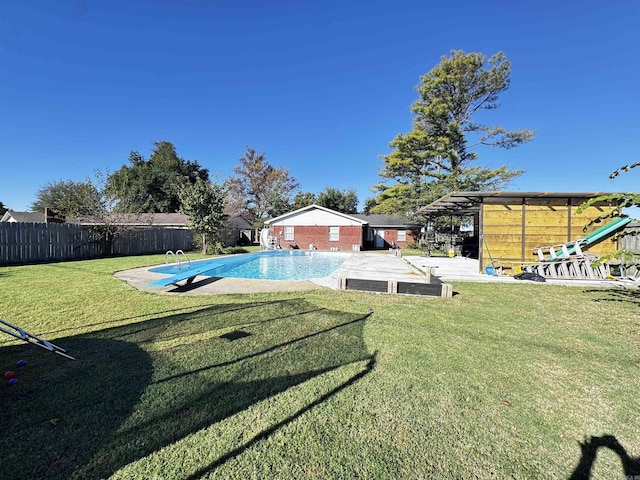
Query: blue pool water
[[271, 265]]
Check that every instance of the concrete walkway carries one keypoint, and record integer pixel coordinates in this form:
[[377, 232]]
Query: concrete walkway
[[373, 266], [462, 269]]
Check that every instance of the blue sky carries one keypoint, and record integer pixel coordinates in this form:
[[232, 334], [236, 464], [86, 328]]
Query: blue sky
[[321, 87]]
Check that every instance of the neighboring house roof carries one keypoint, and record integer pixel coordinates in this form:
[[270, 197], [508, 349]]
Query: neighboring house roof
[[380, 220], [309, 208], [239, 222], [23, 217], [166, 219], [144, 219]]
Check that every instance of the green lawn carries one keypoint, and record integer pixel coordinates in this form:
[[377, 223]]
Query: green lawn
[[500, 381]]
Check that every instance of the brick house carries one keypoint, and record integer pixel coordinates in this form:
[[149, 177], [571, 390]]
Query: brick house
[[325, 229]]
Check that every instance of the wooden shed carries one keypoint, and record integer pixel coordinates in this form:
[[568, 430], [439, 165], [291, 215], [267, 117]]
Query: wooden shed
[[508, 226]]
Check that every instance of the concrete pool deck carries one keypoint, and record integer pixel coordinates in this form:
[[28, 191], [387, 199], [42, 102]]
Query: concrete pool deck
[[374, 266], [362, 265], [463, 269]]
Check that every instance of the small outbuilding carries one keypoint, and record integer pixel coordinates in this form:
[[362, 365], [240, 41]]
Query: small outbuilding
[[238, 231], [509, 226]]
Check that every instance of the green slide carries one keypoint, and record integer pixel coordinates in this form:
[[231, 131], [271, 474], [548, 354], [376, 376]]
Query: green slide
[[594, 236]]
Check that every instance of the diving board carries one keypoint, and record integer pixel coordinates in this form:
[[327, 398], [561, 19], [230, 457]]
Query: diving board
[[189, 275]]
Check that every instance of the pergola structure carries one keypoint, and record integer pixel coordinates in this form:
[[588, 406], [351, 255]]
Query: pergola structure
[[509, 226]]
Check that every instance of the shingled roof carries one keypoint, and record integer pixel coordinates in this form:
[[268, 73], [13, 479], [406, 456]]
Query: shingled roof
[[380, 220], [144, 219], [23, 217]]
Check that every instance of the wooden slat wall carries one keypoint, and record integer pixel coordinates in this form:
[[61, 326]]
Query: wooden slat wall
[[544, 226], [503, 227]]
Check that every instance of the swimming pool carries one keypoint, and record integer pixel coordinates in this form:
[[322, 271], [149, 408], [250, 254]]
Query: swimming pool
[[268, 265]]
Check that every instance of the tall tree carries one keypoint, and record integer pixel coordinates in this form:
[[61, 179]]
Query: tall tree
[[369, 204], [303, 199], [65, 197], [435, 157], [152, 185], [397, 199], [92, 203], [341, 201], [260, 190], [3, 209], [204, 202]]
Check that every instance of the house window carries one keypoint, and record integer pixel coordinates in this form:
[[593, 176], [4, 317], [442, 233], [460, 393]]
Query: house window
[[402, 235], [288, 233], [334, 234]]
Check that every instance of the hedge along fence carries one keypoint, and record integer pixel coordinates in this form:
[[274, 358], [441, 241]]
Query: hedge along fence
[[46, 242]]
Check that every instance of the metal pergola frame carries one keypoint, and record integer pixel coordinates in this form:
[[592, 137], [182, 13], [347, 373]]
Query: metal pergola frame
[[469, 203]]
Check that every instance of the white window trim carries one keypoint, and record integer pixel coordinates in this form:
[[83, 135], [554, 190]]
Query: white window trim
[[289, 233], [404, 235], [337, 234]]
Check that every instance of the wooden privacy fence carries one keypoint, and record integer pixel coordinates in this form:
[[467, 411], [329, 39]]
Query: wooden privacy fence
[[631, 242], [45, 242]]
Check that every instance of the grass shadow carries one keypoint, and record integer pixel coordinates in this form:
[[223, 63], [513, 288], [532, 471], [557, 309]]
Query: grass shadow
[[60, 411], [140, 387], [274, 428], [589, 450], [631, 296], [146, 316]]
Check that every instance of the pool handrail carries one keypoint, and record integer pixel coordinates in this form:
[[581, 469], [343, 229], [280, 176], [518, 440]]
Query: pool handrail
[[166, 257], [176, 258], [178, 252]]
